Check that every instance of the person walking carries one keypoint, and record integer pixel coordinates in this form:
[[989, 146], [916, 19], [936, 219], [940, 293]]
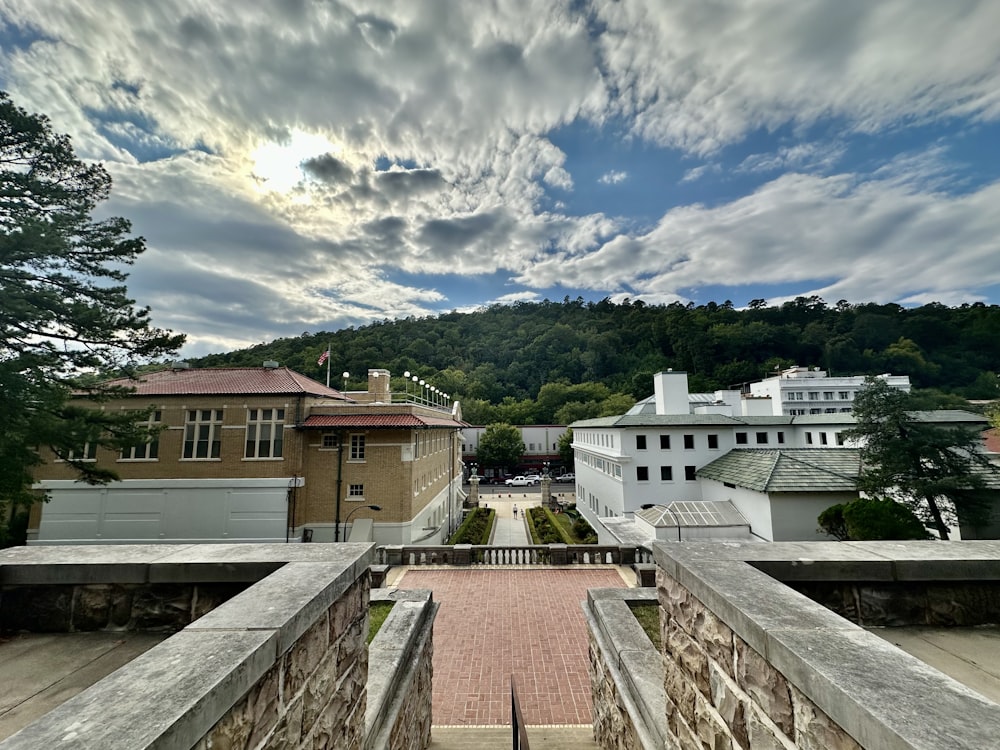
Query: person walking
[[515, 511]]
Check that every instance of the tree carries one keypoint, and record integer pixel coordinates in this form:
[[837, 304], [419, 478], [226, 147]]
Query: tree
[[500, 445], [868, 519], [566, 449], [935, 471], [66, 320]]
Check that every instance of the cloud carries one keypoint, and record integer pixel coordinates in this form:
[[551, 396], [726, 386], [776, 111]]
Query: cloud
[[249, 144], [613, 177]]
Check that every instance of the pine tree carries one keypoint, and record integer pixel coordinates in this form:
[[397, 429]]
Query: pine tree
[[66, 320]]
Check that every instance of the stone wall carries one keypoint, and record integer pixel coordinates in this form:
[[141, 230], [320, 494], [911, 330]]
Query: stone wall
[[400, 660], [751, 662], [281, 664], [722, 693], [626, 673], [314, 695]]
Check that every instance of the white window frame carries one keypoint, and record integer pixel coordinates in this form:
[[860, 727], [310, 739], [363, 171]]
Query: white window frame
[[358, 449], [193, 434], [150, 449], [261, 420]]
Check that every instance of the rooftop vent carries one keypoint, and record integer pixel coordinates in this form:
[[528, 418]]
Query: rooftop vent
[[180, 365], [270, 364]]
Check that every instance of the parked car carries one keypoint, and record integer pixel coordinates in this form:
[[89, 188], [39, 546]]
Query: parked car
[[566, 478], [536, 478], [520, 481]]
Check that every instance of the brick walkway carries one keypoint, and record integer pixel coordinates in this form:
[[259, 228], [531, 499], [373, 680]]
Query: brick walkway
[[495, 623]]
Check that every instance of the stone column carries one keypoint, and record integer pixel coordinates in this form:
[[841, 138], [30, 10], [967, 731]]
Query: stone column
[[546, 490], [474, 491]]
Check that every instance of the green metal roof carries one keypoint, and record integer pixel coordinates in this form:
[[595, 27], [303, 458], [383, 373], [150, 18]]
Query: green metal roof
[[791, 470]]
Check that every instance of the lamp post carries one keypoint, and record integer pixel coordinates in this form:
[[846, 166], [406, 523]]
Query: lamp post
[[361, 507], [346, 376], [414, 379], [406, 384]]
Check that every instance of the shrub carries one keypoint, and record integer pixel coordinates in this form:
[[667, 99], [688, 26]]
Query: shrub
[[870, 519], [476, 527]]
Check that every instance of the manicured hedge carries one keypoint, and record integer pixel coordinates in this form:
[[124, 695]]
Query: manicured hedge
[[476, 527]]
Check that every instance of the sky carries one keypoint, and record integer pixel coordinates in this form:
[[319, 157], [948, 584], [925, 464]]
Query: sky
[[309, 165]]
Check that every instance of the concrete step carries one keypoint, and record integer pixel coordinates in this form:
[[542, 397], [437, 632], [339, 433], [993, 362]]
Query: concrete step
[[500, 738]]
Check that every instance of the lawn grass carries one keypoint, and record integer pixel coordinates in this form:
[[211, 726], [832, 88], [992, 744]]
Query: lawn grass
[[648, 616], [377, 612]]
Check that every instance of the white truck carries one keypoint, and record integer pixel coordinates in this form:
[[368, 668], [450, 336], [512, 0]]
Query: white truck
[[520, 481]]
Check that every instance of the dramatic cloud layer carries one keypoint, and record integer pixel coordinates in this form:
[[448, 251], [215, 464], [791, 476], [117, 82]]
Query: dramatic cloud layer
[[305, 165]]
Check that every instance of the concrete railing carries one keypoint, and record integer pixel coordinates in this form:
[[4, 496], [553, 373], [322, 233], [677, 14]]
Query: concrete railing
[[529, 554], [281, 663]]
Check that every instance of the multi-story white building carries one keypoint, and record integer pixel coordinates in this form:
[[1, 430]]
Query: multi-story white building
[[801, 390], [654, 455]]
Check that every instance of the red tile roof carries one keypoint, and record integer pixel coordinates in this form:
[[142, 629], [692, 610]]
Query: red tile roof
[[217, 381], [376, 421]]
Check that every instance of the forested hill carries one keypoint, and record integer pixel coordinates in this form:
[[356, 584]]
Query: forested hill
[[510, 352]]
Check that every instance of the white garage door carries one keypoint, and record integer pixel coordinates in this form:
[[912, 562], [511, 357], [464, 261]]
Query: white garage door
[[178, 510]]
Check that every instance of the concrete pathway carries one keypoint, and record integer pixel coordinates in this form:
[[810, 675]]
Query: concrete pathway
[[500, 738], [498, 622], [509, 531]]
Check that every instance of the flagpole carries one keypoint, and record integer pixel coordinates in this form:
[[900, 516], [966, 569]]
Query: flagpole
[[327, 365]]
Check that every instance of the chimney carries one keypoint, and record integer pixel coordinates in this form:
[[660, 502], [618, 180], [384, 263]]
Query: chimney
[[270, 364], [670, 392], [378, 385], [179, 365]]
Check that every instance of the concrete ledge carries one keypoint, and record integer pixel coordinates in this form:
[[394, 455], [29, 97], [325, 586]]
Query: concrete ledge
[[878, 694], [164, 563], [175, 693], [394, 657], [634, 663], [166, 698]]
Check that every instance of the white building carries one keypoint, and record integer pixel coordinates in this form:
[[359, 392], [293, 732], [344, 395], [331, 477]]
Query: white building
[[801, 390], [788, 469]]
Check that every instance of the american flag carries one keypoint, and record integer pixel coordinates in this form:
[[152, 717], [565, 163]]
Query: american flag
[[323, 357]]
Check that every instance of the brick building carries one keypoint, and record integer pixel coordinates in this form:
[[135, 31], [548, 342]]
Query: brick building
[[263, 454]]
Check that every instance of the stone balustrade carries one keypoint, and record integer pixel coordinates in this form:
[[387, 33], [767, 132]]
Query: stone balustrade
[[529, 554]]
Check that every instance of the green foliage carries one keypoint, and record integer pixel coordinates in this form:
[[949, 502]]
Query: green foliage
[[831, 521], [544, 529], [918, 463], [66, 320], [554, 362], [377, 612], [648, 616], [566, 448], [500, 445], [476, 527], [868, 519]]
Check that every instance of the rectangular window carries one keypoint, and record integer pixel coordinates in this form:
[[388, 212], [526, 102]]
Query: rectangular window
[[357, 447], [828, 395], [761, 438], [329, 440], [355, 491], [265, 433], [839, 437], [87, 453], [713, 442], [689, 473], [741, 438], [664, 442], [815, 411], [809, 438], [640, 442], [148, 450], [822, 438], [203, 433], [843, 395], [797, 396], [781, 438], [689, 442], [642, 473], [667, 473]]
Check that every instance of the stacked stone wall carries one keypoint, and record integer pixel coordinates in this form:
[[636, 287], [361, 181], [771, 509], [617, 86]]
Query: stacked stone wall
[[314, 695], [74, 608], [613, 724], [412, 728], [722, 693]]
